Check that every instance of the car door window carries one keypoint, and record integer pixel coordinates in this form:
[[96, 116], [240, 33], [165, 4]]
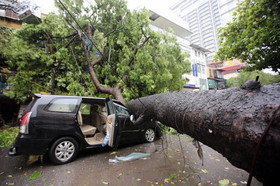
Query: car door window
[[124, 117], [85, 108], [63, 105], [122, 110], [110, 109]]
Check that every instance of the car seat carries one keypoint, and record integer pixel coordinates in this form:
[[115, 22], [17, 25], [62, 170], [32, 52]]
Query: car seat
[[99, 119], [87, 130]]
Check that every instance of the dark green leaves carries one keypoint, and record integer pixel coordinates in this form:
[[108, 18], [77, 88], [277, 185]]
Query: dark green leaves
[[49, 58], [254, 35]]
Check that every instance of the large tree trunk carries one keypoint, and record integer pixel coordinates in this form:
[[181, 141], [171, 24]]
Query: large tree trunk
[[231, 121]]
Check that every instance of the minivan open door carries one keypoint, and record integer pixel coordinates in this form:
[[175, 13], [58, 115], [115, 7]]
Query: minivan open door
[[112, 126]]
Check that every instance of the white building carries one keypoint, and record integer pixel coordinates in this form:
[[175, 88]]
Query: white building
[[205, 17], [198, 76], [162, 20]]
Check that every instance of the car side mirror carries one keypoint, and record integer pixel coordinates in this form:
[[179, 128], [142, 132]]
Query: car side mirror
[[132, 118]]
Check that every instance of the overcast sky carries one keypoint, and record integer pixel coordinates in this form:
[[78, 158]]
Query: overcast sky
[[48, 6]]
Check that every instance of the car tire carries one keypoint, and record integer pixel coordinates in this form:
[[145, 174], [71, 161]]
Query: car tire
[[149, 135], [63, 150]]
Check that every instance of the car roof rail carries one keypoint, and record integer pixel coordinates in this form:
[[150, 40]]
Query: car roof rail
[[37, 95]]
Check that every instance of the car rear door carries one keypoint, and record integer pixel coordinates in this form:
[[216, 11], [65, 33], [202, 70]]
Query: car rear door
[[55, 117], [113, 125]]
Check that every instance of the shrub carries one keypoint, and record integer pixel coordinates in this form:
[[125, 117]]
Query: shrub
[[8, 135]]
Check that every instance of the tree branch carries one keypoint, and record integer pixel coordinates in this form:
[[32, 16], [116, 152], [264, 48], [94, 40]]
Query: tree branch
[[114, 91], [140, 46]]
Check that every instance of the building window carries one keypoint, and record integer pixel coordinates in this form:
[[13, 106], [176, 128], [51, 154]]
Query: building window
[[198, 68], [203, 84], [219, 74], [154, 17], [194, 70], [202, 69], [235, 61]]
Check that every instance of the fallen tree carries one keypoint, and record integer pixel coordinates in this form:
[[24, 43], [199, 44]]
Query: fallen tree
[[231, 121]]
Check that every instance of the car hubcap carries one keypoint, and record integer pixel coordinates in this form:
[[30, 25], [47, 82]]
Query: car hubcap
[[64, 151], [150, 135]]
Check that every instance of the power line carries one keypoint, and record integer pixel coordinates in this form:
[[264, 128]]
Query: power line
[[74, 19], [117, 29], [78, 67]]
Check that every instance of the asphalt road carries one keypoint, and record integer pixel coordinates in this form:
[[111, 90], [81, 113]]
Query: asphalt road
[[173, 161]]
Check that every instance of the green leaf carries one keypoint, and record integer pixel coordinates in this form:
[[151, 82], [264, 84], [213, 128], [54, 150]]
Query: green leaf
[[140, 60], [247, 37], [223, 182], [172, 176], [204, 171], [244, 76], [7, 136], [35, 175]]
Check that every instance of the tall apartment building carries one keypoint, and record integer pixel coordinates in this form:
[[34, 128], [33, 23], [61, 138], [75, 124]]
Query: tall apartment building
[[205, 17]]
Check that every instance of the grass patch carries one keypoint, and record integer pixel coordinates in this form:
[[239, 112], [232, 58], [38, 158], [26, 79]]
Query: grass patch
[[8, 135]]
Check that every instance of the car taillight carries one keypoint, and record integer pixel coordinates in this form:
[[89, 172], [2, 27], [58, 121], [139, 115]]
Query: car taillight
[[24, 123]]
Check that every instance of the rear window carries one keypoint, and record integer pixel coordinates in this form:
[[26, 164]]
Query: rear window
[[63, 105], [30, 105], [24, 108]]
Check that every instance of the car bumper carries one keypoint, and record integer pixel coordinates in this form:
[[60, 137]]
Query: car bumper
[[27, 145]]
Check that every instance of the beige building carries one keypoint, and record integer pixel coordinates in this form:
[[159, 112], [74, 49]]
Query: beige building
[[9, 19]]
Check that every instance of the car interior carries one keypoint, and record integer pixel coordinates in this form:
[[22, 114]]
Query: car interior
[[95, 123]]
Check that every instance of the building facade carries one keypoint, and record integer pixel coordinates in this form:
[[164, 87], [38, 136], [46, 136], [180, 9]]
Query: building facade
[[162, 21], [228, 66], [9, 19], [13, 13], [205, 17], [198, 76]]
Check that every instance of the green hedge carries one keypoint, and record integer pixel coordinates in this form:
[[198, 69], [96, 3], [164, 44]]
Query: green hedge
[[8, 135]]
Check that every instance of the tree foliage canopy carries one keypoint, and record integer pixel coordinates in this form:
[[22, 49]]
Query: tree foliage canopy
[[254, 35], [36, 53], [49, 57], [264, 78]]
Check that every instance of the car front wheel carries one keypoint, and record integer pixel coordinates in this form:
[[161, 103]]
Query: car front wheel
[[149, 135], [63, 150]]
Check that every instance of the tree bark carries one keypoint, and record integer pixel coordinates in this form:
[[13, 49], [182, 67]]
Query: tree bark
[[114, 91], [231, 121]]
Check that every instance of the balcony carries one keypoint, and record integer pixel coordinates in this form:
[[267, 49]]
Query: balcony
[[215, 73]]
